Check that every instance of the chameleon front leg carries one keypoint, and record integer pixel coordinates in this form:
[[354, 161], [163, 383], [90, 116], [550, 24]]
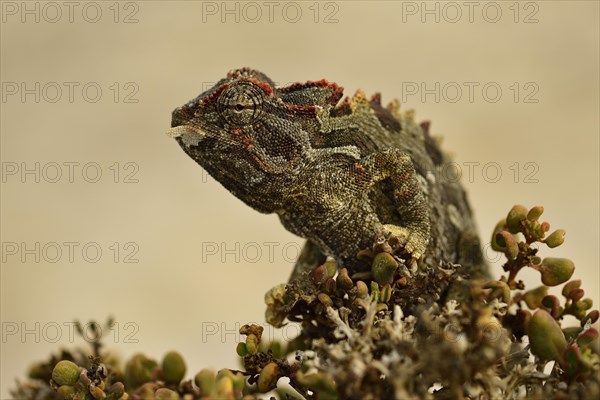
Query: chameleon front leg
[[408, 197]]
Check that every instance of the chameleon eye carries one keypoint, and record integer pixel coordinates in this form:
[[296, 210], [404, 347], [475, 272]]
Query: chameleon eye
[[241, 103]]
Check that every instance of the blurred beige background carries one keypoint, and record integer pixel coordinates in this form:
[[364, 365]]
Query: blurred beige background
[[513, 88]]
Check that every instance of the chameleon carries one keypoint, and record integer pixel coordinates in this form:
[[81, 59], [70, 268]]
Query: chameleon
[[342, 173]]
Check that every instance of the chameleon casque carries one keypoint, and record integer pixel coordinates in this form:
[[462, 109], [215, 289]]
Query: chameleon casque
[[341, 173]]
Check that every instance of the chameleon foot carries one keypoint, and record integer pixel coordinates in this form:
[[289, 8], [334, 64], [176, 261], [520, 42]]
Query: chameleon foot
[[404, 241]]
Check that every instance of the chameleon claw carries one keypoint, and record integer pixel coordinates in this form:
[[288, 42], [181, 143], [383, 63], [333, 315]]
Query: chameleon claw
[[403, 240]]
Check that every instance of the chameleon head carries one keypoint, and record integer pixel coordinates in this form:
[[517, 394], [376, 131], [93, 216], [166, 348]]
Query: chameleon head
[[239, 125], [233, 104]]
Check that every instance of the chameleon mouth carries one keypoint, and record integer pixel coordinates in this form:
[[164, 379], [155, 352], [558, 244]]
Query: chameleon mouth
[[181, 130], [189, 135]]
